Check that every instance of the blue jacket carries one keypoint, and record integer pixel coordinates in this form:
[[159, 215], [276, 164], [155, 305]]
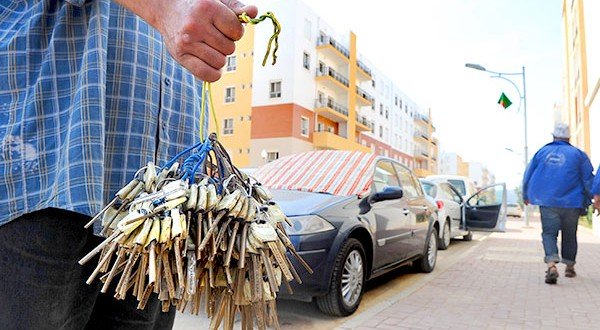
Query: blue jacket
[[596, 184], [559, 175]]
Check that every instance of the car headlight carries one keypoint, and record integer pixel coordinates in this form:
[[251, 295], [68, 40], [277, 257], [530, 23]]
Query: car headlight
[[308, 224]]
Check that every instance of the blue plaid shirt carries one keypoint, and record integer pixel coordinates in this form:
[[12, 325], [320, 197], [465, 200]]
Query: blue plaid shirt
[[88, 95]]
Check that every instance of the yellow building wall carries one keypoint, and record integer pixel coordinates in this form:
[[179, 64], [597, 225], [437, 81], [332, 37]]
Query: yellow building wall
[[238, 143]]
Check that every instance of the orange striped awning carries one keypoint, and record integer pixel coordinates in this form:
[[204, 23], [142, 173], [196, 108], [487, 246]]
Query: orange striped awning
[[336, 172]]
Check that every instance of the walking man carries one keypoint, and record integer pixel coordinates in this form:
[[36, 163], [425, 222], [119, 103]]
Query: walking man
[[559, 179]]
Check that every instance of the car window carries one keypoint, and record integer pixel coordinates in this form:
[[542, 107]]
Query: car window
[[487, 197], [407, 182], [430, 189], [384, 176], [459, 185], [449, 193]]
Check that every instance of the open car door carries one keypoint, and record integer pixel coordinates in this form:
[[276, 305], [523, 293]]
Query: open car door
[[486, 209]]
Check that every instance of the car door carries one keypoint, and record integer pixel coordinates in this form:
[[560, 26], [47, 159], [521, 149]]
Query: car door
[[486, 209], [392, 218], [417, 205], [453, 206]]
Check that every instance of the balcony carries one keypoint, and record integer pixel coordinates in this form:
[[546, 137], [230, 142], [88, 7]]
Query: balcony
[[421, 135], [363, 124], [423, 118], [332, 47], [328, 140], [422, 154], [363, 97], [364, 72], [331, 110], [333, 79]]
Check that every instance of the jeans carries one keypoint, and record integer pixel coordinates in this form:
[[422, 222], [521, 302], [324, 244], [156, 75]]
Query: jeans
[[565, 220], [43, 287]]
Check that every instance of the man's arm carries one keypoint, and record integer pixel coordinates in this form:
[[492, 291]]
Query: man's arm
[[528, 172], [596, 191], [199, 34]]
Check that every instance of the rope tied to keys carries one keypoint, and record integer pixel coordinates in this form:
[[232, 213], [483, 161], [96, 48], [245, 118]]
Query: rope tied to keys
[[198, 232]]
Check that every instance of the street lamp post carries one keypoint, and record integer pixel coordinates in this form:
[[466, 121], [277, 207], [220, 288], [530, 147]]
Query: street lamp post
[[522, 100]]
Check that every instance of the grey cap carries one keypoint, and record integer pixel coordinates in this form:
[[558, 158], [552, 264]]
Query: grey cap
[[561, 131]]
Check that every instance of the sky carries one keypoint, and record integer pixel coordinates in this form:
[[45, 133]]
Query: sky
[[423, 46]]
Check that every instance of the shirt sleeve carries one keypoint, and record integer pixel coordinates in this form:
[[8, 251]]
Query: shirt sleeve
[[530, 168], [596, 183], [587, 177]]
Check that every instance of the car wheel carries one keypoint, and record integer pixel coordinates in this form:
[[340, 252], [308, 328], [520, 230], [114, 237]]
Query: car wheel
[[444, 240], [427, 262], [347, 281], [468, 237]]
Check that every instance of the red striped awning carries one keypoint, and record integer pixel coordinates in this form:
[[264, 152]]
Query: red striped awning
[[336, 172]]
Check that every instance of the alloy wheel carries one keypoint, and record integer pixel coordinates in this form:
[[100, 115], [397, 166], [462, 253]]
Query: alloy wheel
[[432, 250], [352, 278], [446, 234]]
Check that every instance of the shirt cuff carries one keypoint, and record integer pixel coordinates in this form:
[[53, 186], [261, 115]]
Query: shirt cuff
[[77, 3]]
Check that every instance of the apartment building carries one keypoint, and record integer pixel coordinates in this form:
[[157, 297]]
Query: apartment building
[[426, 145], [453, 164], [581, 73], [321, 94]]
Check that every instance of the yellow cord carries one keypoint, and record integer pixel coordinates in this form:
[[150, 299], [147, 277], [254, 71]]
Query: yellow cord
[[204, 84], [274, 38], [212, 110]]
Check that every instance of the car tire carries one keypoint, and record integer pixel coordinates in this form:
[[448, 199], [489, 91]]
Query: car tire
[[468, 237], [427, 262], [350, 265], [445, 236]]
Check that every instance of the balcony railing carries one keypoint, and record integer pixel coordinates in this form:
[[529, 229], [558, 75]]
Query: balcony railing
[[327, 40], [364, 121], [424, 118], [419, 134], [365, 68], [361, 92], [328, 71], [331, 105]]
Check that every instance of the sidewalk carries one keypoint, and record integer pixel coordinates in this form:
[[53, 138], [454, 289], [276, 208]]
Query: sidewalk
[[500, 285]]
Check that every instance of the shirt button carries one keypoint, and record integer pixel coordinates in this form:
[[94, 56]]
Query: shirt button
[[167, 81]]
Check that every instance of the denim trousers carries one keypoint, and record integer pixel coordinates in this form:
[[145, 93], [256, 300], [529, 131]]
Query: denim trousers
[[565, 220], [43, 287]]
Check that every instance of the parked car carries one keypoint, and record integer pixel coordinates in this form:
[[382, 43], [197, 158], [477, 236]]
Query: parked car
[[457, 216], [449, 204], [355, 216], [514, 210], [464, 185]]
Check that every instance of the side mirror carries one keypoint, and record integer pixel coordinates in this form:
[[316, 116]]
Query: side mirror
[[388, 193]]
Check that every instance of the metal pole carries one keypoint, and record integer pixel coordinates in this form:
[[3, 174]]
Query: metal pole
[[525, 155]]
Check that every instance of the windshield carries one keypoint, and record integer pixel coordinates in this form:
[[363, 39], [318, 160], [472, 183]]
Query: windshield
[[459, 185]]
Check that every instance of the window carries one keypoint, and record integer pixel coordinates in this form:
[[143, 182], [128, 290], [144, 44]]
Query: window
[[275, 90], [231, 63], [373, 83], [320, 127], [272, 155], [307, 29], [229, 94], [407, 181], [228, 126], [306, 61], [380, 131], [381, 109], [384, 176], [304, 126]]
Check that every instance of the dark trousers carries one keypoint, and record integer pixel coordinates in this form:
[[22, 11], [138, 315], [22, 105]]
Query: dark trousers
[[43, 287], [565, 220]]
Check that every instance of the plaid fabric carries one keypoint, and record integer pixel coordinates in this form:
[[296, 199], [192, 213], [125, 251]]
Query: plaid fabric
[[88, 95], [334, 172]]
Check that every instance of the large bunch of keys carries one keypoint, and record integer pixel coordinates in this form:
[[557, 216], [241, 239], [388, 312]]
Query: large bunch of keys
[[197, 233]]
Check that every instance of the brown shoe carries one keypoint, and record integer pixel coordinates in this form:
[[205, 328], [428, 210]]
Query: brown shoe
[[570, 271], [551, 275]]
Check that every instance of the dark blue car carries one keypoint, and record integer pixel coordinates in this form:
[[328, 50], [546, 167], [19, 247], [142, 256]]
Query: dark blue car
[[355, 216]]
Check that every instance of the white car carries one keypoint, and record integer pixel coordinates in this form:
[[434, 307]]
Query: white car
[[485, 208], [514, 210]]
